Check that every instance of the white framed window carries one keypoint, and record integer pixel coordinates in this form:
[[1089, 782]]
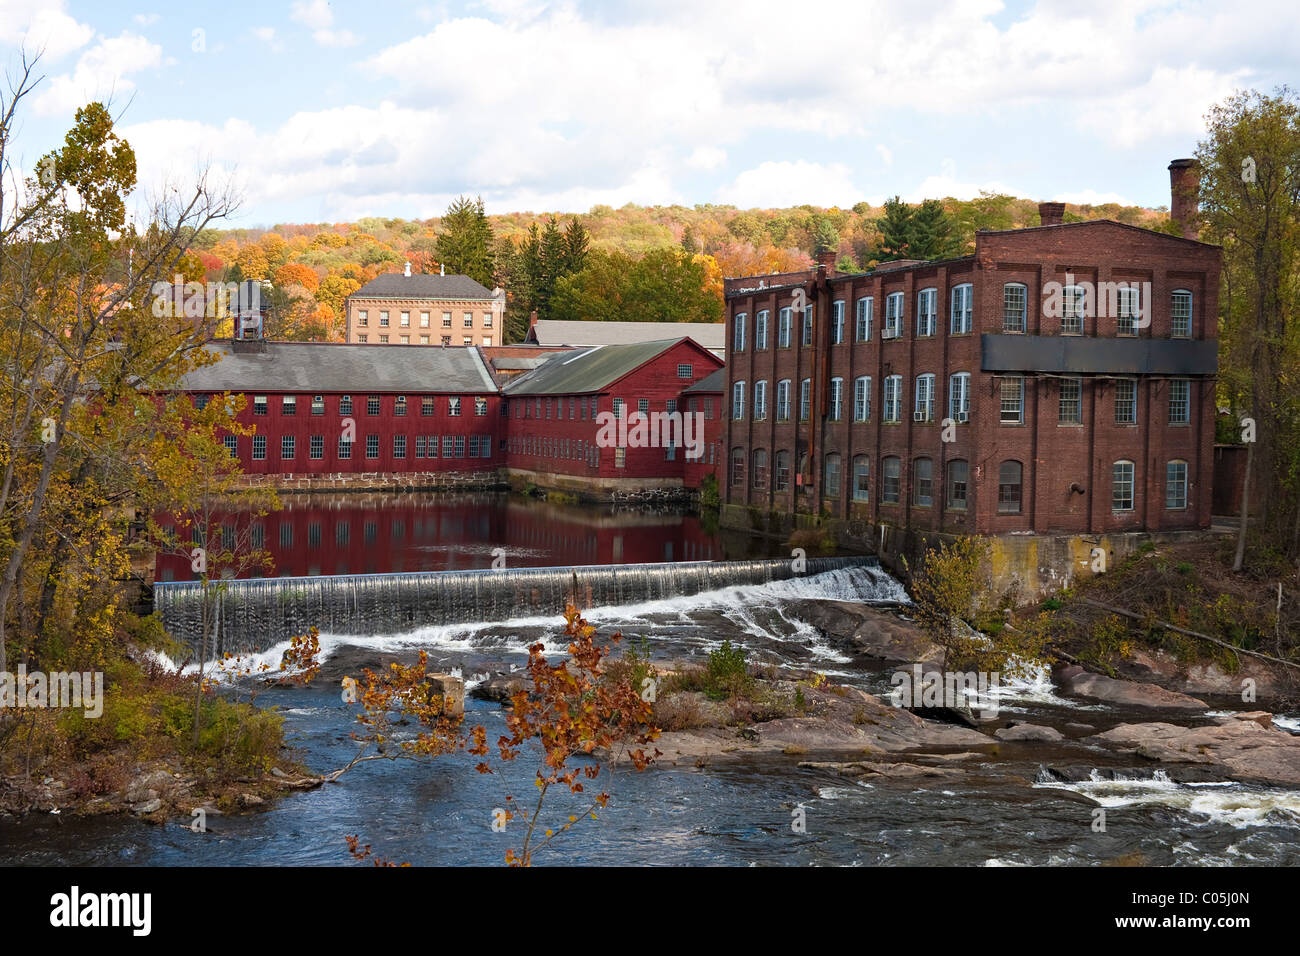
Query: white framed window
[[926, 311], [1180, 310], [959, 397], [1176, 485], [1130, 310], [1074, 306], [760, 331], [861, 478], [784, 320], [1121, 486], [685, 371], [783, 400], [1070, 402], [1012, 410], [807, 325], [862, 398], [862, 324], [893, 398], [1126, 402], [837, 399], [923, 410], [805, 399], [837, 322], [760, 400], [961, 309], [893, 316], [737, 401], [738, 332], [1180, 402], [1015, 307]]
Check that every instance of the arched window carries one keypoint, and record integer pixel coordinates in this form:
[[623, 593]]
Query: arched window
[[861, 478], [1015, 300], [782, 471], [927, 308], [923, 482], [759, 470], [890, 480], [737, 465], [832, 485], [1121, 486], [1176, 485], [961, 309], [958, 477], [1009, 478]]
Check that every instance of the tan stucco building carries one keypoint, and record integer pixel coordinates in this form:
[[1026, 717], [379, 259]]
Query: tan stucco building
[[407, 309]]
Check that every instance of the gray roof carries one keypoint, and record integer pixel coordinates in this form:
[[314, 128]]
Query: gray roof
[[394, 285], [326, 367], [587, 370], [711, 335], [710, 383]]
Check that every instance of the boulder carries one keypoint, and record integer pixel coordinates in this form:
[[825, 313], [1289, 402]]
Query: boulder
[[1076, 681], [1028, 732], [1241, 749], [501, 688], [869, 631], [452, 690]]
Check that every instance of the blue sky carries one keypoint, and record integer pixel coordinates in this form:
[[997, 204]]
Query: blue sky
[[332, 111]]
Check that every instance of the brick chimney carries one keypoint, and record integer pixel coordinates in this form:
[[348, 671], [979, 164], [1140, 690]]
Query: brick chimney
[[532, 320], [827, 261], [1184, 196], [1051, 213]]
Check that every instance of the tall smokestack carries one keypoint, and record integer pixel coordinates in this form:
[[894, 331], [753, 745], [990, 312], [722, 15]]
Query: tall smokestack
[[1184, 196], [827, 261], [1051, 213]]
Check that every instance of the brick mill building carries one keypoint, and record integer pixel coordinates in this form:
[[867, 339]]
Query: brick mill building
[[1058, 381], [406, 309]]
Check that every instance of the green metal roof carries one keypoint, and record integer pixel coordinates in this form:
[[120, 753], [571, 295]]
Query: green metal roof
[[587, 370]]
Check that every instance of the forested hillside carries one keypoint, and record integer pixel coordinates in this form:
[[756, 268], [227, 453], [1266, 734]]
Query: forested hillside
[[640, 263]]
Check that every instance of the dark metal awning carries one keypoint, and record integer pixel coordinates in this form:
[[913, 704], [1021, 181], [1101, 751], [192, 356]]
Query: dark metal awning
[[1081, 355]]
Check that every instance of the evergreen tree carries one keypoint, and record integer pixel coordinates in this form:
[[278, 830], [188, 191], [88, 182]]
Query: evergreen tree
[[825, 237], [577, 243], [932, 231], [895, 230], [465, 245]]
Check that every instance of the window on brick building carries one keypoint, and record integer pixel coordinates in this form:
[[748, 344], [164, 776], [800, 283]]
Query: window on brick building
[[1176, 485], [480, 406], [453, 406], [1009, 479], [738, 332], [926, 311], [259, 448], [1130, 310], [317, 447], [399, 406], [372, 405], [837, 399], [831, 486], [961, 309], [383, 318], [783, 400], [737, 465], [760, 330], [1015, 307], [758, 472], [861, 478], [958, 477], [201, 402], [893, 316], [862, 398], [372, 446], [467, 320], [289, 405], [893, 411], [923, 410], [259, 404], [1074, 307], [345, 405], [405, 320], [232, 445], [446, 320], [1012, 411], [363, 317], [1126, 402], [760, 401], [737, 402], [1070, 402], [862, 321], [345, 449], [419, 446], [288, 446], [1180, 309], [923, 482], [383, 340], [782, 476], [805, 399], [890, 480], [837, 322], [783, 323], [686, 371], [399, 446], [959, 397], [643, 405], [1180, 402], [424, 320], [363, 339], [318, 405], [1121, 486]]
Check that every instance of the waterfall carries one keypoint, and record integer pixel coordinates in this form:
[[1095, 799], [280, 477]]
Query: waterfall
[[258, 613]]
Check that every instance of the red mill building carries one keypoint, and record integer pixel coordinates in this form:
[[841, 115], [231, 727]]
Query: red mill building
[[1058, 381]]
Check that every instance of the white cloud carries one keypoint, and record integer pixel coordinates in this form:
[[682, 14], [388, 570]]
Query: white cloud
[[790, 184], [41, 26], [267, 36], [886, 156], [336, 38], [315, 14], [145, 19], [706, 157], [100, 73]]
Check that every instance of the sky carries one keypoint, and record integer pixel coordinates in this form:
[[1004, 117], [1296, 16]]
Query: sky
[[329, 112]]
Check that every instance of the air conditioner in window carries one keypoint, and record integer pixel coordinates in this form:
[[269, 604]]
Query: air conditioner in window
[[889, 334], [922, 416], [963, 417]]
